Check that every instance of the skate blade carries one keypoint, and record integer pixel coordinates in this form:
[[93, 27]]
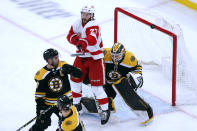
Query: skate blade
[[147, 122]]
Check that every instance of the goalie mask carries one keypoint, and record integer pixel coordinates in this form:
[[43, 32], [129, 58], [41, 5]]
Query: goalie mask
[[117, 52]]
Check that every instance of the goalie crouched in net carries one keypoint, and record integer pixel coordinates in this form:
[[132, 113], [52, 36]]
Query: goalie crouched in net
[[124, 76]]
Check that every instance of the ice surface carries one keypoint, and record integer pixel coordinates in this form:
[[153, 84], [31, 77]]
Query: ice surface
[[24, 35]]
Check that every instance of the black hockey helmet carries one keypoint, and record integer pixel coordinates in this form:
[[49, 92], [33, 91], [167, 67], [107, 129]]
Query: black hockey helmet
[[64, 102], [50, 53]]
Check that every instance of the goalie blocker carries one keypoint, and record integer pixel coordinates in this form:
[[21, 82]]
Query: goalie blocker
[[131, 98]]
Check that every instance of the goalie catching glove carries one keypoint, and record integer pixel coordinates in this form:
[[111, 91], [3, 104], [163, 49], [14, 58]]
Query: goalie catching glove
[[135, 80]]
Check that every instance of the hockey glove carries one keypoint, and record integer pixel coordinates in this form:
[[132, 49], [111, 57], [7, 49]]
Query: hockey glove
[[135, 80], [40, 106], [69, 69], [82, 44], [75, 39]]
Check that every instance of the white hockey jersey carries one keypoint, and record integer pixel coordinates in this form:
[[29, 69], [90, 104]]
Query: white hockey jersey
[[90, 33]]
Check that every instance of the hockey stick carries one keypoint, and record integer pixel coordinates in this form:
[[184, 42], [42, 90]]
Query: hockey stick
[[26, 124], [97, 105], [43, 112], [77, 54]]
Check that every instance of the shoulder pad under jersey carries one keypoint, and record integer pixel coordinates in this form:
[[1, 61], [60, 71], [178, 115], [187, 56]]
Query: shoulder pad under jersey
[[61, 63], [129, 60], [41, 74], [107, 55]]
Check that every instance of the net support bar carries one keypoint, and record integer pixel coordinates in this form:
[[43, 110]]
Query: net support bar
[[152, 26]]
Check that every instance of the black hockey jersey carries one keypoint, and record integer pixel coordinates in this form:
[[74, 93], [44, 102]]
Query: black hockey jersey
[[51, 84], [128, 64]]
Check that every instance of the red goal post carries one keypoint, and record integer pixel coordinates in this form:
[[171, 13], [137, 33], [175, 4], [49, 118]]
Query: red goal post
[[155, 27]]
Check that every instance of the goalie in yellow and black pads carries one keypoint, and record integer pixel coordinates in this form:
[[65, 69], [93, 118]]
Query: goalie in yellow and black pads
[[124, 76]]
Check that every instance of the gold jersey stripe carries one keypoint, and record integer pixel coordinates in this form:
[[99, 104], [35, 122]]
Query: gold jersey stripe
[[40, 93], [137, 72], [67, 93], [138, 68], [51, 99], [50, 104], [39, 98]]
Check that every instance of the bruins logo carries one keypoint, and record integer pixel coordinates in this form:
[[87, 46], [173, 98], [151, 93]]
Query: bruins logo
[[55, 84], [114, 75]]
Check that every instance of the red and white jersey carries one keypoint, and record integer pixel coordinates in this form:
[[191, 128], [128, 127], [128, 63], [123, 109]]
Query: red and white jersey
[[90, 33]]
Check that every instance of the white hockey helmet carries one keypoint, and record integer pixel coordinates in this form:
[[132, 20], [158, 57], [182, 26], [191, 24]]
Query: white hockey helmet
[[89, 9]]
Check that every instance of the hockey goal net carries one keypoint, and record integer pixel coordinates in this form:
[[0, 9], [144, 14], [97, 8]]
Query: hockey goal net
[[159, 45]]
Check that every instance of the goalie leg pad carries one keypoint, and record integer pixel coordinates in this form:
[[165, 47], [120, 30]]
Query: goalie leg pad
[[89, 104], [109, 90], [131, 98]]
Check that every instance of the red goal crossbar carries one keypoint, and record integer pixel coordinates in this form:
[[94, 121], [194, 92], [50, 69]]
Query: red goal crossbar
[[152, 26]]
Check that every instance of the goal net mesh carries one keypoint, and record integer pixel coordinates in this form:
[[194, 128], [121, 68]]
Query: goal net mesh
[[154, 50]]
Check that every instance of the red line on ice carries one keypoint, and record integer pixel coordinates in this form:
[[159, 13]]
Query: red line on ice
[[33, 33]]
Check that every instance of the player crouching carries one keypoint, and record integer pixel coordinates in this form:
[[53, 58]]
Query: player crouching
[[70, 119], [124, 75]]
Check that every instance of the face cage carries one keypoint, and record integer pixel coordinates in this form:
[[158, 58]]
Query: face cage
[[117, 57]]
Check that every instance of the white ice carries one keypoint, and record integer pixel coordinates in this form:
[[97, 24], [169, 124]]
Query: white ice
[[24, 36]]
